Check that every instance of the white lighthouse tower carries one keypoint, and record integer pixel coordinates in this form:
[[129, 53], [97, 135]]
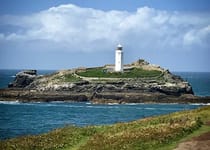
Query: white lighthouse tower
[[119, 58]]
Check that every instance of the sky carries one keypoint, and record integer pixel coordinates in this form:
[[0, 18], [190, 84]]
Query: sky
[[64, 34]]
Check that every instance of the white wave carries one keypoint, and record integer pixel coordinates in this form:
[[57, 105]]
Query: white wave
[[89, 106], [70, 106], [164, 109], [13, 76], [113, 103], [9, 102], [130, 104], [57, 102], [150, 108], [203, 104], [135, 104], [19, 103], [173, 109]]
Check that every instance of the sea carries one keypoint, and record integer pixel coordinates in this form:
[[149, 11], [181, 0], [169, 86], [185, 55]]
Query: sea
[[19, 119]]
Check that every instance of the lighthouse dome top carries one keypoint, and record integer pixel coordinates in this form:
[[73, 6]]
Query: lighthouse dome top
[[119, 47]]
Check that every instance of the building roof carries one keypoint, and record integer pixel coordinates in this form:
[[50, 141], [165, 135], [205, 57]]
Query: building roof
[[119, 45]]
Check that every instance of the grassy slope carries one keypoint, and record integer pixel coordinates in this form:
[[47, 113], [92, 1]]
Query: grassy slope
[[67, 78], [134, 73], [162, 132]]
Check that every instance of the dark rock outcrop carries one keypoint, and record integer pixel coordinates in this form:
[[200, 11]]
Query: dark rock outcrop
[[23, 79]]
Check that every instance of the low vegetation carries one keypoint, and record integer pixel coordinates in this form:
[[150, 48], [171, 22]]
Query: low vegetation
[[71, 78], [67, 78], [162, 132], [133, 73]]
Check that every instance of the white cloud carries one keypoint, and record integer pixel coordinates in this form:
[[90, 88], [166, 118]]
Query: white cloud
[[199, 37], [72, 28]]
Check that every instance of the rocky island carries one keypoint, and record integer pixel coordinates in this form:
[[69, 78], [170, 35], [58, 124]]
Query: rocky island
[[140, 82]]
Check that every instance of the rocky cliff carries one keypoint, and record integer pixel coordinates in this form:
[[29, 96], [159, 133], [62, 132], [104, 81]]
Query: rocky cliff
[[23, 79], [140, 82]]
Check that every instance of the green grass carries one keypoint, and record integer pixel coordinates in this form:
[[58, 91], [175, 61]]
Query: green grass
[[205, 116], [71, 78], [133, 73], [162, 132], [66, 137], [67, 78]]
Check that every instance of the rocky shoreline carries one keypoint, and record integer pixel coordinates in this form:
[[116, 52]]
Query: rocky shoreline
[[69, 85], [23, 95]]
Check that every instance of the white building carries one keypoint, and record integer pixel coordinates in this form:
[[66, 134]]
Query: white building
[[119, 59]]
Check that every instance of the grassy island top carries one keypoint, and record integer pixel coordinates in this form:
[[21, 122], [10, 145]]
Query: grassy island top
[[132, 73], [139, 69], [154, 133]]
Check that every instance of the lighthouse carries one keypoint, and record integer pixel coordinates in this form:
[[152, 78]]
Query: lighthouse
[[119, 58]]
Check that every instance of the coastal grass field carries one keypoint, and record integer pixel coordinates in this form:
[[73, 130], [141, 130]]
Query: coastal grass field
[[133, 73], [67, 78], [153, 133]]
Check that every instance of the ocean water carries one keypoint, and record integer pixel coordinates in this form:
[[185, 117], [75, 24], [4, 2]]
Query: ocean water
[[18, 119], [7, 76], [200, 81]]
